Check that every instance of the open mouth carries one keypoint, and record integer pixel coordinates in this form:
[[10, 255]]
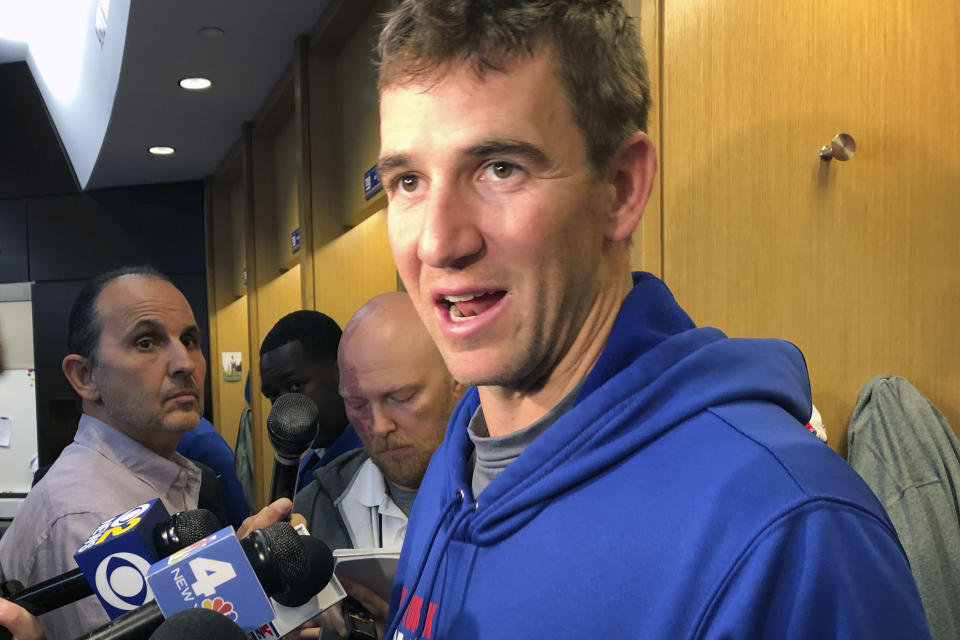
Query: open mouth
[[464, 307]]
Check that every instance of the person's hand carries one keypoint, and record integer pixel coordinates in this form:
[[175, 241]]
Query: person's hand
[[331, 619], [276, 511], [373, 603], [21, 624]]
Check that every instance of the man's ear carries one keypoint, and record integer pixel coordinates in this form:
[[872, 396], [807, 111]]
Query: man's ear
[[631, 172], [79, 373]]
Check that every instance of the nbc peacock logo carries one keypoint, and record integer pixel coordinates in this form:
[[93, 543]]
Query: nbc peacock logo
[[183, 553], [220, 605]]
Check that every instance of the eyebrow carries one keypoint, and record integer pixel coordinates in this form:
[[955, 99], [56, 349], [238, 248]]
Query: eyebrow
[[516, 148], [393, 161], [149, 326], [403, 389], [412, 387], [152, 326]]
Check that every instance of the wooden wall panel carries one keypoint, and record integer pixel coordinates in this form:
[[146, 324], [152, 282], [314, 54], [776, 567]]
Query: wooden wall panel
[[253, 240], [303, 141], [359, 114], [325, 141], [238, 242], [231, 321], [226, 258], [355, 267], [855, 262], [276, 298], [286, 198]]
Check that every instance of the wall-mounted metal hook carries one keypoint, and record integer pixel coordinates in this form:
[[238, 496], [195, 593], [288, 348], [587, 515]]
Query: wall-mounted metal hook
[[840, 148]]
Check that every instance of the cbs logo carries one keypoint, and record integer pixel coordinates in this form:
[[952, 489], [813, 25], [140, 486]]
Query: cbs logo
[[116, 526], [121, 583]]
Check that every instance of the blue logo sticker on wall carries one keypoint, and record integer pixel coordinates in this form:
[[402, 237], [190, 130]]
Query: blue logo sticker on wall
[[371, 183]]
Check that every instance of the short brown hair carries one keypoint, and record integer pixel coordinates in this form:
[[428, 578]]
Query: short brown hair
[[596, 51]]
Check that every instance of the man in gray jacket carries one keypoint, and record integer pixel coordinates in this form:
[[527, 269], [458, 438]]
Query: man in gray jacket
[[398, 396]]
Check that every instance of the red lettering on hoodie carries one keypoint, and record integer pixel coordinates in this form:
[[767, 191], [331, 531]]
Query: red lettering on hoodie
[[428, 626], [412, 616]]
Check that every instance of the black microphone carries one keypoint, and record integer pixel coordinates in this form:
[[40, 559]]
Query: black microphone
[[198, 624], [312, 580], [287, 565], [178, 532], [292, 427]]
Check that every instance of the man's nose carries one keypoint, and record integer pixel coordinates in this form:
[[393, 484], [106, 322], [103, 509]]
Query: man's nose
[[381, 422], [449, 234], [183, 360]]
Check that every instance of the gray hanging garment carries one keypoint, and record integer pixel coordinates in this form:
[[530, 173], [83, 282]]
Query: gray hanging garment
[[903, 447]]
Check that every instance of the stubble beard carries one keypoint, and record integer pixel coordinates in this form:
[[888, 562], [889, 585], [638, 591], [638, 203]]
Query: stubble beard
[[405, 472]]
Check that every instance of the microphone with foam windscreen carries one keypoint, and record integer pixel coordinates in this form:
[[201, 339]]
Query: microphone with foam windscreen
[[176, 532], [310, 579], [198, 624], [233, 578], [290, 613], [184, 529], [292, 427]]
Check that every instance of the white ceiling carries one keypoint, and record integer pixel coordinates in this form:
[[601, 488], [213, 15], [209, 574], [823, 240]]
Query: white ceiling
[[162, 46]]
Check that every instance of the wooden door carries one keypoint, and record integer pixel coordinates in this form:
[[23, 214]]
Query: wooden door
[[856, 262]]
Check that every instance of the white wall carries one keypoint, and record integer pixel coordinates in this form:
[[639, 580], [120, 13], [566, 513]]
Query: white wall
[[16, 334], [17, 393]]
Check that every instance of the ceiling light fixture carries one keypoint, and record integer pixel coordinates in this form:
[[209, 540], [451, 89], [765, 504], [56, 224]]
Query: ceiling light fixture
[[210, 32], [195, 84], [162, 151]]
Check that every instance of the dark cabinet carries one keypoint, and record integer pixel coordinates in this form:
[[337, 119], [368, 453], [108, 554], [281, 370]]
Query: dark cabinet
[[13, 241]]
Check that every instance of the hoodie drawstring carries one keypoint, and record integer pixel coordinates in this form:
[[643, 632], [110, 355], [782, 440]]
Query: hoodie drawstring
[[458, 498]]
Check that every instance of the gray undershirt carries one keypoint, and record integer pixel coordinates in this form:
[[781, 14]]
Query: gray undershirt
[[401, 497], [492, 454]]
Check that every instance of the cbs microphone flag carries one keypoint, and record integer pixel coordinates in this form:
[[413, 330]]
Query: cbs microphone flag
[[116, 556]]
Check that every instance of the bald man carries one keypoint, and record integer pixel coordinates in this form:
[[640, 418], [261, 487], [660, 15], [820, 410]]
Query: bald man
[[398, 395]]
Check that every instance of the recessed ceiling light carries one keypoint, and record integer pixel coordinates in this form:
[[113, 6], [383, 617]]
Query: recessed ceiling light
[[211, 32], [162, 151], [195, 84]]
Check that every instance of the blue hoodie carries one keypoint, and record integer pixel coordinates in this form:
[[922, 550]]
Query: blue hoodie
[[681, 497]]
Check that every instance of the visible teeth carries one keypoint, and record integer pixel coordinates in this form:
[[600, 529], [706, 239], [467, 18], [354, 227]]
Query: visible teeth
[[456, 316], [463, 298]]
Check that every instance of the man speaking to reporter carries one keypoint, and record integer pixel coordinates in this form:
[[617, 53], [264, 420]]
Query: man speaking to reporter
[[617, 471], [136, 363]]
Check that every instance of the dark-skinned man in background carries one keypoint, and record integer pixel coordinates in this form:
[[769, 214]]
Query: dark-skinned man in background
[[299, 354]]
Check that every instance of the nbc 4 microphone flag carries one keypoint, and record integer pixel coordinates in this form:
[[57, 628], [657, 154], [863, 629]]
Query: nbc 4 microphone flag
[[213, 573]]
